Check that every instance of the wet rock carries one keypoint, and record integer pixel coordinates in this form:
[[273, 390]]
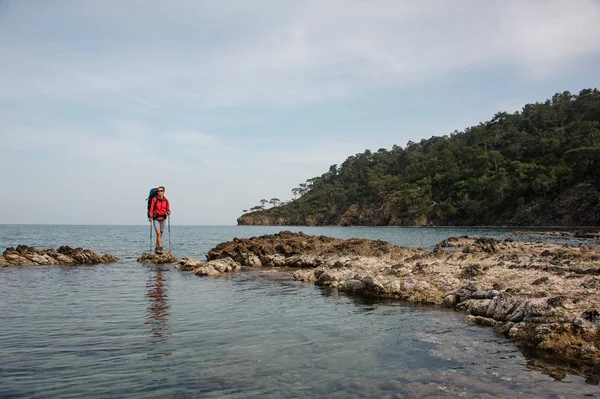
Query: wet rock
[[354, 285], [415, 285], [500, 306], [482, 321], [251, 260], [450, 301], [217, 267], [476, 307], [373, 287], [306, 276], [331, 277], [23, 255], [273, 260], [165, 257], [454, 242], [189, 264]]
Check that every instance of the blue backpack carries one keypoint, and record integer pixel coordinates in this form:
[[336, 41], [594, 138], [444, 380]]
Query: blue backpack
[[151, 195]]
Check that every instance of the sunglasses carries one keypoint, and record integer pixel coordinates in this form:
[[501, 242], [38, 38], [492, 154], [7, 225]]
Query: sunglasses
[[160, 191]]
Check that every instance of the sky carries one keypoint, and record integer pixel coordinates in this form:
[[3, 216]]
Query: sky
[[228, 102]]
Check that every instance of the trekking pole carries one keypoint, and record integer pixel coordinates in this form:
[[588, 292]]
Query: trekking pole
[[169, 228], [150, 236]]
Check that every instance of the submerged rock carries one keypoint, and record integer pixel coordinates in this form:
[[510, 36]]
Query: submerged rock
[[165, 257], [543, 296], [63, 256]]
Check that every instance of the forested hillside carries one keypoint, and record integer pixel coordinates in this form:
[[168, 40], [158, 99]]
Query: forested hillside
[[540, 166]]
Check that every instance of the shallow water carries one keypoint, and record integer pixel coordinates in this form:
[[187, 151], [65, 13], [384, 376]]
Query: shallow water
[[133, 330]]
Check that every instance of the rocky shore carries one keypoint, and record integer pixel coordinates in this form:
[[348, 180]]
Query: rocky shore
[[543, 296], [23, 255], [573, 234]]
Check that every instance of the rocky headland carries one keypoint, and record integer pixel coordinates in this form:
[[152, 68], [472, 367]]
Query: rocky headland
[[543, 296], [23, 255]]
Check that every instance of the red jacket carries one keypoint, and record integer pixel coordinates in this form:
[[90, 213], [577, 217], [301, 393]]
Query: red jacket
[[159, 207]]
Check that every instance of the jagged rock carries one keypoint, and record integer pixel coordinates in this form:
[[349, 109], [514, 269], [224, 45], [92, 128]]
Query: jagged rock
[[165, 257], [331, 277], [189, 264], [252, 261], [500, 306], [218, 266], [476, 307], [306, 276], [471, 271], [23, 255], [450, 301], [482, 321], [273, 260], [415, 285]]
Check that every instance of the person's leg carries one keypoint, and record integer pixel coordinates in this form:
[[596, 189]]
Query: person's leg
[[158, 230], [162, 231], [159, 238]]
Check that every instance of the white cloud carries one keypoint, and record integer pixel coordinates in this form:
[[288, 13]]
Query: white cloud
[[285, 53]]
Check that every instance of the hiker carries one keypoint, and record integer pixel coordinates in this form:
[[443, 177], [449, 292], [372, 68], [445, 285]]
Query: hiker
[[158, 212]]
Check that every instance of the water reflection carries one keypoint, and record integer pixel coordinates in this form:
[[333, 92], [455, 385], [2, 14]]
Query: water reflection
[[158, 306], [158, 317]]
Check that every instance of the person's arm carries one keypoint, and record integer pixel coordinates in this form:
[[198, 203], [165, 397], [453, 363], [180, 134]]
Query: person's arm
[[168, 208]]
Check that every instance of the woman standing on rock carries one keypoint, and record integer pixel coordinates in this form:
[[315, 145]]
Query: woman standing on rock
[[160, 210]]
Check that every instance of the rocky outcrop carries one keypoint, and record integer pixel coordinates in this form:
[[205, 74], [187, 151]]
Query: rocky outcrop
[[211, 268], [23, 255], [165, 257], [543, 296], [583, 233]]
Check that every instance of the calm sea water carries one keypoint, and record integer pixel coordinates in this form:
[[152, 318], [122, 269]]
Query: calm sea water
[[127, 330]]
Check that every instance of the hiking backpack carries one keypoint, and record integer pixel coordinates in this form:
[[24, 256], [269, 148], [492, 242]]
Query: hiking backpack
[[151, 195]]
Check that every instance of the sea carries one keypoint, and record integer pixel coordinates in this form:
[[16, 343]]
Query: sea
[[132, 330]]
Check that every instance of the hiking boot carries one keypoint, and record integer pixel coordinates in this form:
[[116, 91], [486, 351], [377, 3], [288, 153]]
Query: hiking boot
[[158, 250]]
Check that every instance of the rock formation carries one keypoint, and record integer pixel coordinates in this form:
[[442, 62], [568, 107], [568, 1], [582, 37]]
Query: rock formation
[[63, 256], [543, 296], [165, 257]]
